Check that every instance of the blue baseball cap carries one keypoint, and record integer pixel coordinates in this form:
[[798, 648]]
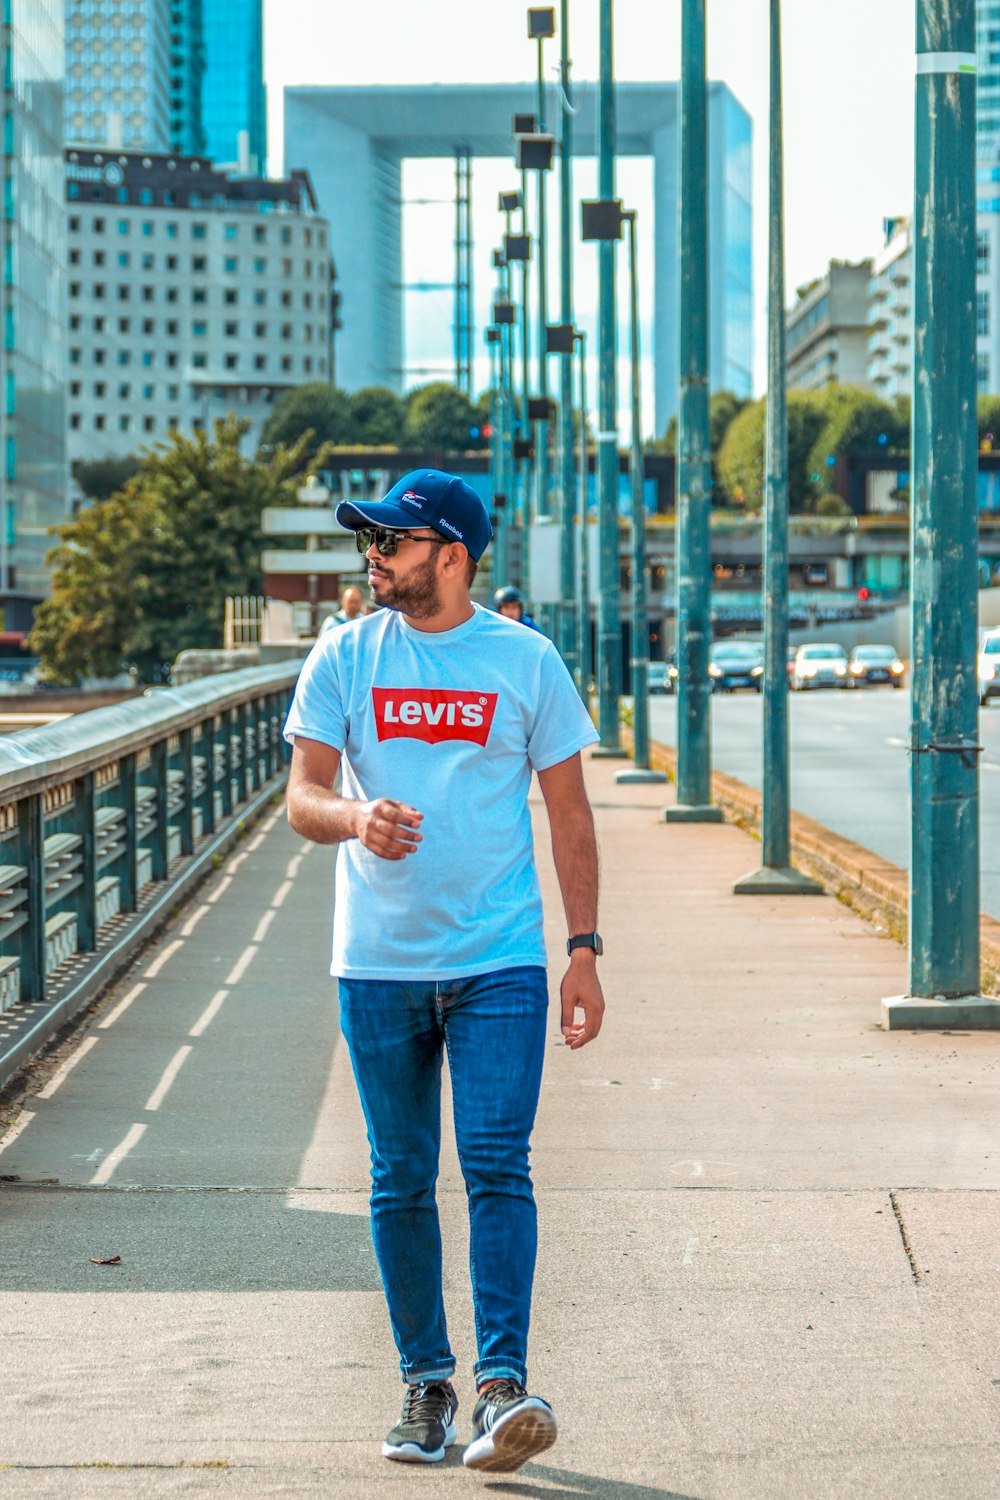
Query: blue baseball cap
[[426, 497]]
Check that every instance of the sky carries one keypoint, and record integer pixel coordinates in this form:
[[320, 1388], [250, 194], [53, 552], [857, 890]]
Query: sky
[[848, 103]]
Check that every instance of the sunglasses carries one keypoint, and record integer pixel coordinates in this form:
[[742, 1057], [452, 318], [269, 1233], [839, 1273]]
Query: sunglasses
[[387, 542]]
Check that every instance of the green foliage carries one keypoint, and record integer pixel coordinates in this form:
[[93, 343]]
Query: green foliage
[[856, 422], [375, 418], [143, 574], [988, 420], [832, 505], [321, 410], [439, 416], [741, 459], [101, 477], [723, 408]]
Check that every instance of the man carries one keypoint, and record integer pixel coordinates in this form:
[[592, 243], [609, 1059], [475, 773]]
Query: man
[[350, 609], [437, 711], [509, 601]]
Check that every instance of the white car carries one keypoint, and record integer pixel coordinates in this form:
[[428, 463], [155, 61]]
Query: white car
[[988, 667], [820, 665]]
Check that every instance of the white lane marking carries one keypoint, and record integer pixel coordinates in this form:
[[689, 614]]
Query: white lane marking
[[121, 1007], [106, 1170], [194, 919], [163, 958], [241, 965], [281, 893], [237, 859], [262, 926], [24, 1119], [63, 1073], [896, 742], [256, 842], [293, 866], [170, 1072], [689, 1250], [220, 889], [210, 1012]]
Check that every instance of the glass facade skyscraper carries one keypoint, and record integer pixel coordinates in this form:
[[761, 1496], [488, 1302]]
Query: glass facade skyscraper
[[187, 77], [232, 97], [33, 478], [118, 73]]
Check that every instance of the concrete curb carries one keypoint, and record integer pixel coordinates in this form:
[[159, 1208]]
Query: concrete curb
[[871, 885]]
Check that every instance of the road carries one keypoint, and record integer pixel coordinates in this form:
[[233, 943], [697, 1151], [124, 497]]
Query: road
[[849, 766]]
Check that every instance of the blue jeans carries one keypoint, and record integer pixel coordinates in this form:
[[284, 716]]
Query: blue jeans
[[493, 1027]]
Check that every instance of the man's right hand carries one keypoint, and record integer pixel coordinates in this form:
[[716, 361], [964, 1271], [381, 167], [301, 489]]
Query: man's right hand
[[389, 829]]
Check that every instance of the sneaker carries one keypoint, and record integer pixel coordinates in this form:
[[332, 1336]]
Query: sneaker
[[508, 1428], [426, 1426]]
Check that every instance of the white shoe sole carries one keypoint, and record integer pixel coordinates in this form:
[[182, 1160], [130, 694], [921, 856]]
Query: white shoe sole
[[527, 1429], [409, 1453]]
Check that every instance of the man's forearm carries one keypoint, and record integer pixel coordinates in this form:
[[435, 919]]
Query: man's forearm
[[324, 817], [574, 849]]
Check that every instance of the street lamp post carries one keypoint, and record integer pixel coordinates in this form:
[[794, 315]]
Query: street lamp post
[[694, 625], [585, 655], [776, 877], [541, 26], [609, 643], [944, 980]]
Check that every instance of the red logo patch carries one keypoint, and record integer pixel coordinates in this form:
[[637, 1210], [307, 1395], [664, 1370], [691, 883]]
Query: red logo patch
[[433, 714]]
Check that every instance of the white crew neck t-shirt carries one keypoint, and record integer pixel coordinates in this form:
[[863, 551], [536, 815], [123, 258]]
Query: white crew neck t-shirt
[[452, 723]]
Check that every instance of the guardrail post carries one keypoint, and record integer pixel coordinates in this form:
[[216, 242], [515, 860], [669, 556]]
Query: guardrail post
[[222, 735], [185, 760], [206, 747], [81, 822], [238, 731], [158, 780], [30, 845], [127, 881]]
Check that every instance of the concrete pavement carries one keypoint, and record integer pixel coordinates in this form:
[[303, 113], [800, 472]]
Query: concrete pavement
[[768, 1262]]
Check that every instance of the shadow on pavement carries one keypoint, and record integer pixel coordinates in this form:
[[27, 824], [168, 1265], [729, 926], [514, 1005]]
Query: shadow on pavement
[[204, 1241], [577, 1486]]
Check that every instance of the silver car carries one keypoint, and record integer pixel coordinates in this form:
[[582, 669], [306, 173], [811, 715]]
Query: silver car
[[820, 665]]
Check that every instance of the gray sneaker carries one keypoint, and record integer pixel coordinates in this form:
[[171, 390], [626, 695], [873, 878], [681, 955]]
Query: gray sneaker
[[426, 1426], [508, 1428]]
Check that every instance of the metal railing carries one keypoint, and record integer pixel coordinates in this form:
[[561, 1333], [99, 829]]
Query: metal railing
[[107, 819]]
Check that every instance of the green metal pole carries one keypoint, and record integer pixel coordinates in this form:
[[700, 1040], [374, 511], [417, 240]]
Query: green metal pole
[[524, 426], [586, 655], [542, 427], [944, 776], [776, 877], [609, 644], [640, 770], [568, 637], [694, 597]]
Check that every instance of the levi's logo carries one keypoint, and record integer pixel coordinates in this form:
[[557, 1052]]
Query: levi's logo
[[433, 714]]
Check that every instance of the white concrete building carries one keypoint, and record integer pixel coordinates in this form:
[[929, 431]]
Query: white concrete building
[[890, 313], [190, 294], [827, 329]]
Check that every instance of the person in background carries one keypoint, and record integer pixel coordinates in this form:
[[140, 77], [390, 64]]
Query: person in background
[[350, 609], [509, 601]]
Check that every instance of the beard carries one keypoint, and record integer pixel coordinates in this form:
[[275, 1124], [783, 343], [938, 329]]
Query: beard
[[416, 595]]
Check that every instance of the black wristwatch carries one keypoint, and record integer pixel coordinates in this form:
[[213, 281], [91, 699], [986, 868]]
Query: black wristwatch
[[586, 940]]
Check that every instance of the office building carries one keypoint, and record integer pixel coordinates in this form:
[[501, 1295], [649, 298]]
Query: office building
[[33, 474], [187, 76], [890, 313], [118, 73], [233, 114], [191, 294], [827, 329]]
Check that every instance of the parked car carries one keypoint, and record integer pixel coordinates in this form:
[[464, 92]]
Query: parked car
[[659, 679], [870, 664], [736, 664], [988, 667], [823, 664]]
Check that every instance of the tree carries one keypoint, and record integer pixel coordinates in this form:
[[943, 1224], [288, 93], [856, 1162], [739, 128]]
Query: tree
[[723, 408], [145, 573], [376, 417], [100, 477], [321, 410], [856, 422], [439, 416], [988, 421], [741, 460]]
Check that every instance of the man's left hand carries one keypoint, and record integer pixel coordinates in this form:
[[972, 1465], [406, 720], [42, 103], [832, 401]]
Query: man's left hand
[[581, 990]]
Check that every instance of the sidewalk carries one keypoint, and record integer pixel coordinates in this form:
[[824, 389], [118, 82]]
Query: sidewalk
[[768, 1266]]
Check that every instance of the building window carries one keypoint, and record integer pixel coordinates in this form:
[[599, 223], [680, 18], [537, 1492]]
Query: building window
[[308, 237], [307, 364], [124, 390], [124, 293], [99, 422], [171, 263], [124, 423], [307, 300], [172, 359], [123, 226], [199, 295], [286, 299], [286, 265], [74, 421], [149, 424], [147, 294], [124, 324], [231, 264], [260, 264], [983, 372], [74, 223], [74, 356], [74, 323], [232, 296], [197, 263], [74, 257], [199, 330], [99, 258], [124, 357], [260, 330], [148, 358], [232, 330], [123, 258], [983, 315], [259, 233], [286, 361], [149, 325], [74, 289], [232, 231], [286, 235], [172, 326], [147, 226], [171, 294], [260, 361], [147, 261], [173, 392], [199, 361], [171, 229], [99, 356], [145, 195], [74, 388], [260, 298], [197, 231], [232, 361], [99, 325], [982, 253], [97, 225], [99, 390], [148, 392]]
